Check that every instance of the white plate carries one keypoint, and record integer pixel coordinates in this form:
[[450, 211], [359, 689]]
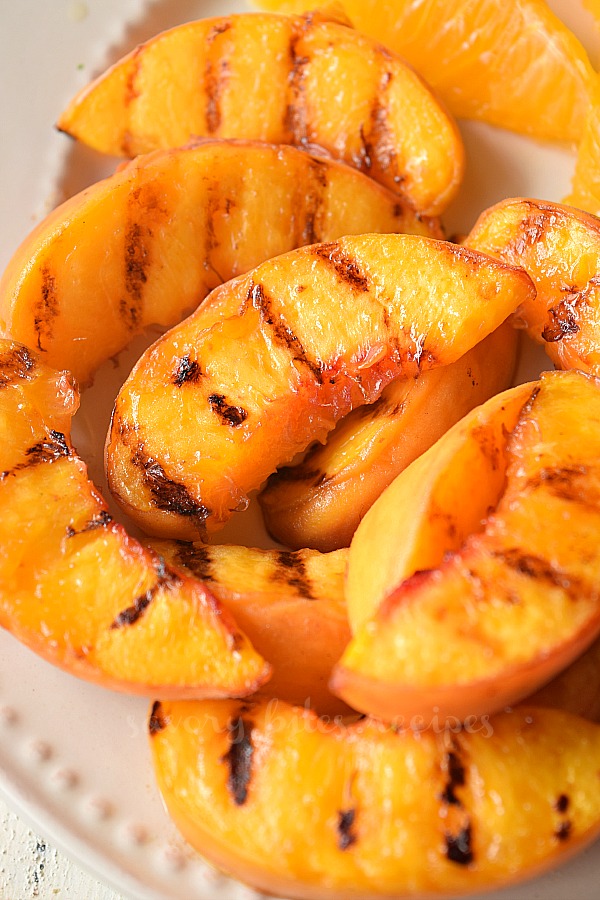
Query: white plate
[[74, 758]]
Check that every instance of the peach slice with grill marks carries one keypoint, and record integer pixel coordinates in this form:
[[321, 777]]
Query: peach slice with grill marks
[[290, 605], [74, 586], [377, 811], [288, 80], [320, 502], [146, 245], [518, 600], [418, 519], [559, 247], [272, 360]]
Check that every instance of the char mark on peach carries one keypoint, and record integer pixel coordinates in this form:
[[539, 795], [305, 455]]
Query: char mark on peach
[[157, 721], [188, 371], [137, 262], [17, 363], [215, 76], [168, 495], [282, 333], [382, 146], [531, 231], [563, 832], [317, 181], [567, 482], [459, 847], [455, 772], [49, 450], [101, 520], [539, 569], [239, 759], [295, 122], [228, 414], [131, 614], [46, 308], [197, 559], [346, 835], [562, 320], [344, 266], [291, 569]]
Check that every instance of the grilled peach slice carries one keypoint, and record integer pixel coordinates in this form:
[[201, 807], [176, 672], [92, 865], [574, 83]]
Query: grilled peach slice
[[377, 812], [519, 600], [288, 80], [148, 244], [290, 605], [560, 249], [320, 502], [272, 360], [74, 586], [418, 520], [472, 460]]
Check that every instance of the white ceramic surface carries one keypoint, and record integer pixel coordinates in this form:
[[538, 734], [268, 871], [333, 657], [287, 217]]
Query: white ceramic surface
[[73, 758]]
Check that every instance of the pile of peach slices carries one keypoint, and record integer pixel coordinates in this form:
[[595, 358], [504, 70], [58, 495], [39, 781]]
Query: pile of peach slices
[[442, 532]]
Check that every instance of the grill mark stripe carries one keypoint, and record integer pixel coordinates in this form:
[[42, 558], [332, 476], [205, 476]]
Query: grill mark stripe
[[290, 568], [215, 77], [531, 230], [459, 847], [239, 759], [157, 721], [313, 202], [47, 306], [137, 261], [199, 560], [48, 450], [131, 614], [562, 320], [538, 568], [16, 363], [378, 142], [188, 371], [567, 483], [344, 266], [167, 494], [228, 414], [456, 778], [295, 120], [281, 332], [345, 825], [563, 832], [102, 520]]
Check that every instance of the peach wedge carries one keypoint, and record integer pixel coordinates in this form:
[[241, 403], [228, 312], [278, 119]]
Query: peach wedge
[[377, 812], [320, 502], [272, 360], [148, 244], [290, 605], [518, 600], [74, 586], [560, 249], [300, 80], [417, 520], [515, 65]]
